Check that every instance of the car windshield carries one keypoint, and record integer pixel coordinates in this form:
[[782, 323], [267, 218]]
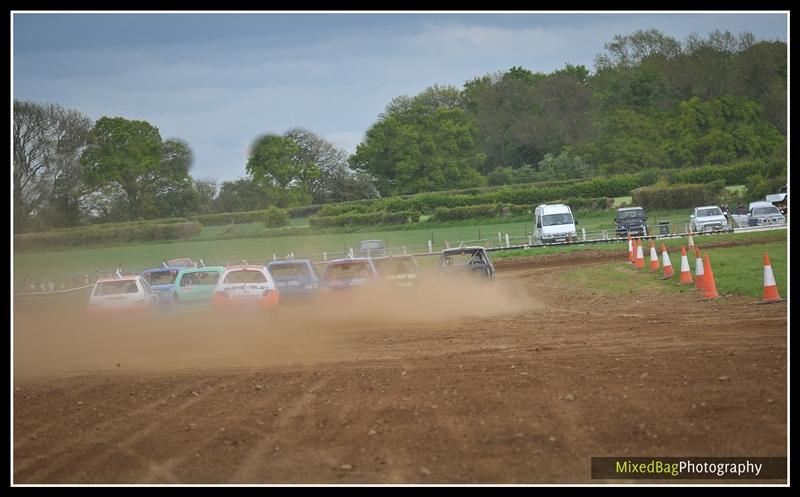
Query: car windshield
[[715, 211], [285, 271], [161, 277], [346, 271], [554, 219], [630, 214], [765, 210], [462, 258], [245, 276], [200, 278], [116, 287], [390, 267]]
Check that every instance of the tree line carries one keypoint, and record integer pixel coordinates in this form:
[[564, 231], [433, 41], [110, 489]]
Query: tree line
[[652, 102]]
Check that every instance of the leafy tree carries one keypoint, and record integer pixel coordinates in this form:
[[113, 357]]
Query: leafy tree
[[242, 195], [504, 108], [132, 155], [510, 176], [48, 140], [625, 140], [630, 50], [433, 97], [279, 166], [421, 149], [336, 182], [564, 166], [722, 130]]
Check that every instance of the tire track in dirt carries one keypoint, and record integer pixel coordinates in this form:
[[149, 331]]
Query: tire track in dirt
[[254, 460], [467, 400], [103, 444]]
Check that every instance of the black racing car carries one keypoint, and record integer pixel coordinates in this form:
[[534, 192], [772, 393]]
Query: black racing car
[[466, 260]]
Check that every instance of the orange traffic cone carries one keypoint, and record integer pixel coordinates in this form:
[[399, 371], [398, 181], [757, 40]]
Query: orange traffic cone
[[639, 263], [666, 263], [631, 254], [686, 274], [691, 240], [698, 270], [770, 288], [653, 257], [709, 286]]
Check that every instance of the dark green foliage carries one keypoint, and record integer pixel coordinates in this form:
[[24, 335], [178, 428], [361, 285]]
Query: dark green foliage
[[308, 210], [111, 234], [367, 219], [677, 196], [273, 216]]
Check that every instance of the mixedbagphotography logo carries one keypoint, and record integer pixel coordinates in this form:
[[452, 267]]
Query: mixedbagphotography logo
[[689, 468]]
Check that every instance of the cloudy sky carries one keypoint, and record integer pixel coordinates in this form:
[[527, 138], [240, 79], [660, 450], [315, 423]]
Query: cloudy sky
[[218, 81]]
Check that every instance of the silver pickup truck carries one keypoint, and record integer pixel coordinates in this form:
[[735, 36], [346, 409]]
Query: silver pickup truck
[[709, 218]]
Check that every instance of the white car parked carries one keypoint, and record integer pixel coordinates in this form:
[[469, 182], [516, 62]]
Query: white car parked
[[131, 293], [245, 285], [553, 224], [709, 218]]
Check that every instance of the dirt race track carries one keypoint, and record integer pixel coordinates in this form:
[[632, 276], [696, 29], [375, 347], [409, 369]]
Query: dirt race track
[[520, 382]]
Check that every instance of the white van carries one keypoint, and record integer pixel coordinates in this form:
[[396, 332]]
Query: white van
[[553, 224]]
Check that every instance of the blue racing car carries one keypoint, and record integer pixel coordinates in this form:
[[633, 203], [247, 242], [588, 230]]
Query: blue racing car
[[294, 278], [161, 281]]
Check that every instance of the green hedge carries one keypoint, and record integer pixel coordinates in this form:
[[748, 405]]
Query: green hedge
[[367, 219], [140, 222], [467, 212], [549, 192], [677, 196], [104, 235], [345, 208], [501, 209], [270, 215], [589, 204], [306, 210]]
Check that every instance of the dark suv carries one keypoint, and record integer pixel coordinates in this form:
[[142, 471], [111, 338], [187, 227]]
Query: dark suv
[[631, 220]]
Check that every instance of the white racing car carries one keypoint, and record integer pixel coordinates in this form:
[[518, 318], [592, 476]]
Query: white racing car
[[245, 286], [125, 293]]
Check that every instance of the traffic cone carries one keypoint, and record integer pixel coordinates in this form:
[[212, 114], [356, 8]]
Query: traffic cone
[[770, 288], [666, 263], [698, 270], [691, 240], [686, 274], [631, 254], [709, 286], [639, 263], [653, 257]]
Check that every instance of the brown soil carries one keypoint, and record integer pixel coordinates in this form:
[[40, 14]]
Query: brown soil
[[522, 381]]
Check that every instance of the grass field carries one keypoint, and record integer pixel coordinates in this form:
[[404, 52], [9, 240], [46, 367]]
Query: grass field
[[738, 270], [142, 256]]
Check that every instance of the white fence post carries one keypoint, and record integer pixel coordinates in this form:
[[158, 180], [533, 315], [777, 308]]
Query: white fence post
[[404, 250], [530, 240], [325, 256], [605, 235], [499, 237], [350, 251], [430, 247], [583, 233], [508, 243], [274, 257]]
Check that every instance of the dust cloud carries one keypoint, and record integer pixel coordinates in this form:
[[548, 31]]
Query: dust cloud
[[55, 336]]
